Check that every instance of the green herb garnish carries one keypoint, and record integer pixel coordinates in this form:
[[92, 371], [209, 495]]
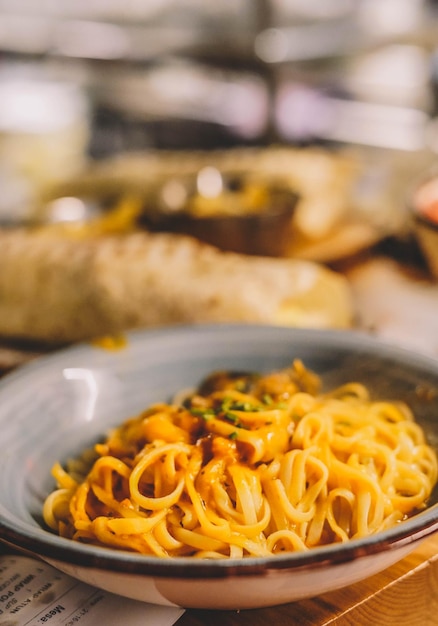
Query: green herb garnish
[[206, 414]]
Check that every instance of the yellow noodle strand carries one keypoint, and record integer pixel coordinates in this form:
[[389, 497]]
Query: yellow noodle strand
[[247, 466]]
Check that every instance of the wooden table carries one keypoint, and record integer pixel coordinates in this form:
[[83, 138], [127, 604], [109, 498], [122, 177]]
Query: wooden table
[[405, 594]]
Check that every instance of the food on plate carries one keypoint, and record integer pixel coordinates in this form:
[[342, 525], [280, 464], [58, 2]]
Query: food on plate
[[323, 179], [345, 201], [248, 464], [234, 213], [58, 288]]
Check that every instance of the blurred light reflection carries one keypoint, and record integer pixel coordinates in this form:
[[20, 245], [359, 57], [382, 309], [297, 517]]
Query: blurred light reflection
[[87, 399], [391, 17], [209, 182], [302, 113], [68, 209], [311, 9], [92, 40]]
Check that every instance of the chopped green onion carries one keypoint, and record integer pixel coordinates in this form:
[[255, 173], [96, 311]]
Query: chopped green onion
[[206, 414], [226, 404], [231, 418], [281, 405]]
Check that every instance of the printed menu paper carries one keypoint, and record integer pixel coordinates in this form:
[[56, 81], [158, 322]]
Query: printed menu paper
[[33, 593]]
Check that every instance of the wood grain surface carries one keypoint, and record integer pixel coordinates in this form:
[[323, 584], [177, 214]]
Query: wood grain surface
[[405, 594]]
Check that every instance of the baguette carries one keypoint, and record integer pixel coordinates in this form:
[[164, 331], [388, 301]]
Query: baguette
[[59, 289]]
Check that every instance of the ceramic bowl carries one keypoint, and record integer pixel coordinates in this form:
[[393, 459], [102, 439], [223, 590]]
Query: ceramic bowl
[[247, 217], [54, 407], [265, 233]]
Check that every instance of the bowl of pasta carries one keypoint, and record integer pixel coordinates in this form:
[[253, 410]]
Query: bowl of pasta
[[221, 466]]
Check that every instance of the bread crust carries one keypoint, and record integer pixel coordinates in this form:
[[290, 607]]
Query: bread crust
[[59, 289]]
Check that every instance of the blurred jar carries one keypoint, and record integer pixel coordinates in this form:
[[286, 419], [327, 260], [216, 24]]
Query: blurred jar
[[44, 134]]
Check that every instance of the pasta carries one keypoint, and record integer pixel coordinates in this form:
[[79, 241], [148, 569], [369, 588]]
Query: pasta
[[248, 465]]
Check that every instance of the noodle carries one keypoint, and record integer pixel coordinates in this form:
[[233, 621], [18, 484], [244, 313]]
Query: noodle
[[248, 465]]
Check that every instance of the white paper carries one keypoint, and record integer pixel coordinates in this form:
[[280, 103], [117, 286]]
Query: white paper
[[33, 593]]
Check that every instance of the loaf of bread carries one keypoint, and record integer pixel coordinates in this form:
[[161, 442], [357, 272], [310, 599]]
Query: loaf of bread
[[59, 289]]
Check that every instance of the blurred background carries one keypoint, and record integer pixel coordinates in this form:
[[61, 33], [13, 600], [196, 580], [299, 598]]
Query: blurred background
[[89, 79], [94, 91]]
